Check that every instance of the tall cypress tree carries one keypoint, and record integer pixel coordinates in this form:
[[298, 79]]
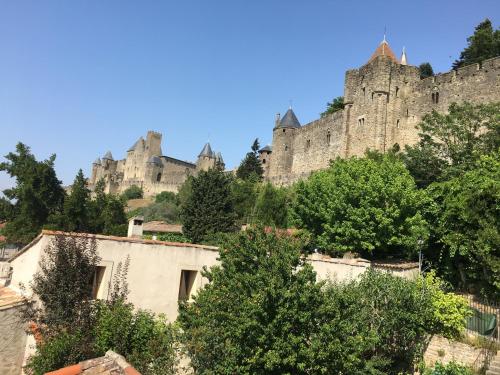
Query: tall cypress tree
[[77, 206], [251, 164], [209, 208]]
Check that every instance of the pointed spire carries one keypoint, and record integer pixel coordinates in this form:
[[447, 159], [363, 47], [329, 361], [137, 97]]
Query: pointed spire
[[206, 151], [403, 57], [138, 143], [108, 156], [384, 50], [289, 120]]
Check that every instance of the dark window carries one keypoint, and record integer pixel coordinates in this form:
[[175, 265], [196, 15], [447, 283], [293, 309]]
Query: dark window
[[328, 137], [364, 92], [308, 144], [137, 222], [397, 124], [186, 284], [437, 98], [284, 130], [286, 148], [158, 177], [263, 161], [397, 91]]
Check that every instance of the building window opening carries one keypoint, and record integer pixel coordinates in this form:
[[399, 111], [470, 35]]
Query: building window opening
[[284, 130], [96, 281], [158, 177], [397, 124], [286, 147], [308, 144], [435, 97], [186, 284], [364, 92], [407, 112], [328, 137], [263, 161], [397, 91]]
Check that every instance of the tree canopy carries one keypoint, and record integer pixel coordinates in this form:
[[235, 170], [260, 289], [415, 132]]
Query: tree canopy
[[133, 192], [251, 165], [369, 206], [209, 208], [36, 196], [452, 142], [264, 313], [425, 70], [335, 105], [482, 45]]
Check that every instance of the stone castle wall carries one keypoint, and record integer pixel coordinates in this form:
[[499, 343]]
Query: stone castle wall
[[384, 102], [146, 167]]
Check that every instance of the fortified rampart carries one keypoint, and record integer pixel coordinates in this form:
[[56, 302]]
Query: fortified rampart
[[146, 167], [385, 99]]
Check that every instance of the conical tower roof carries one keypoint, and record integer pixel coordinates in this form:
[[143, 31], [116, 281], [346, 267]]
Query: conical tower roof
[[108, 156], [97, 161], [206, 151], [136, 144], [404, 59], [384, 50], [289, 120]]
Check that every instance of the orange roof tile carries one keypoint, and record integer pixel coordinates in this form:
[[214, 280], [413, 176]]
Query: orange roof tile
[[9, 297], [384, 50], [161, 227]]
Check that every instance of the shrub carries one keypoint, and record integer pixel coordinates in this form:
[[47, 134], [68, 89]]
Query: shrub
[[452, 368], [133, 192]]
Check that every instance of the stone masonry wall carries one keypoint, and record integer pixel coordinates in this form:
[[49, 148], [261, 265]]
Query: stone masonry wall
[[12, 341], [443, 350], [384, 102]]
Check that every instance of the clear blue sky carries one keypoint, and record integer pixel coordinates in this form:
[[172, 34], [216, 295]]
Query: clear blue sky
[[78, 78]]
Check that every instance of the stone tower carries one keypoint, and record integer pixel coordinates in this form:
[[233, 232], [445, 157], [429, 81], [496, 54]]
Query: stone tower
[[206, 158], [283, 143]]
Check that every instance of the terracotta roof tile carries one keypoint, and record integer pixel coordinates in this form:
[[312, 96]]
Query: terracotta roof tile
[[9, 298], [162, 227], [384, 50]]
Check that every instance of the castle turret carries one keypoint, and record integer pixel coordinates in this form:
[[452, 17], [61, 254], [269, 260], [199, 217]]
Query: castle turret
[[265, 159], [206, 158], [283, 139], [153, 145], [95, 169]]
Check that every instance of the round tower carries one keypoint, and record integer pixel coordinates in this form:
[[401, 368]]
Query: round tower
[[282, 148]]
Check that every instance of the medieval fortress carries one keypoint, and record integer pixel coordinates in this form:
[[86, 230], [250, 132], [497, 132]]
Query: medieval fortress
[[384, 101], [145, 166]]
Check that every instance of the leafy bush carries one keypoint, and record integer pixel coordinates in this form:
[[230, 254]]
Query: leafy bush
[[57, 352], [166, 196], [452, 368], [133, 192], [147, 341]]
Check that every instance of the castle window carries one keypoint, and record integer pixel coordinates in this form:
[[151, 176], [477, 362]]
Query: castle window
[[284, 130], [308, 144], [397, 91], [397, 124], [158, 177], [363, 121], [364, 92], [437, 98], [186, 284], [407, 112], [286, 147], [263, 161], [328, 137], [372, 95]]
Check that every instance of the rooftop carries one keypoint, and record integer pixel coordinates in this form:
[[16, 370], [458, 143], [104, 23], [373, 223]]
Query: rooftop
[[289, 120], [9, 298], [206, 151], [162, 227], [384, 50]]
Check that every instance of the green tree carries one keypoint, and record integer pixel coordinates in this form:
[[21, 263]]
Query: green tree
[[209, 208], [251, 166], [114, 218], [425, 70], [258, 312], [335, 105], [37, 195], [362, 205], [76, 213], [466, 227], [63, 284], [97, 206], [451, 143], [264, 313], [271, 207], [244, 193], [482, 45], [5, 209], [133, 192], [166, 196]]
